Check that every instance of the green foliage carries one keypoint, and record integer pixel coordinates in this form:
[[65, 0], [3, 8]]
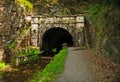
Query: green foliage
[[23, 52], [34, 51], [12, 44], [22, 32], [33, 54], [96, 14], [25, 4], [94, 11], [53, 69], [2, 65], [54, 50]]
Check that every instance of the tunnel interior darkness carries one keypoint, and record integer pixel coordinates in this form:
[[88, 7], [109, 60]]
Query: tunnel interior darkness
[[55, 38]]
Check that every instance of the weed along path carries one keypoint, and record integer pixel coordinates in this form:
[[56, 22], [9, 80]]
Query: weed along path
[[84, 66]]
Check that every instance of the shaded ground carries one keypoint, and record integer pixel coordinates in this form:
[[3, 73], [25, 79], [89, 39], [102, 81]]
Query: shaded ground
[[23, 73], [84, 66], [103, 69]]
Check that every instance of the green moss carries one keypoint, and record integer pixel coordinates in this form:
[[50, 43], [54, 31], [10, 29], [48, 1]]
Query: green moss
[[53, 69]]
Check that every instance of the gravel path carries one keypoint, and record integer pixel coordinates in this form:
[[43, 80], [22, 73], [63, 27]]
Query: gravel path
[[85, 66], [76, 69]]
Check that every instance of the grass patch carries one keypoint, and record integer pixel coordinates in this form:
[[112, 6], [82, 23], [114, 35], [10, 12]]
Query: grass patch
[[53, 69]]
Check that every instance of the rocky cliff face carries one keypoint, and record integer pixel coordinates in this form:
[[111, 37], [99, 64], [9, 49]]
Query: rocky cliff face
[[110, 38], [49, 7], [11, 22], [106, 23]]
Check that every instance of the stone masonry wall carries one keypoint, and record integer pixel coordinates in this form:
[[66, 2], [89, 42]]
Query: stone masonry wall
[[72, 23]]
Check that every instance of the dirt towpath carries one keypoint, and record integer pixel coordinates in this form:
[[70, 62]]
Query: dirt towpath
[[84, 66]]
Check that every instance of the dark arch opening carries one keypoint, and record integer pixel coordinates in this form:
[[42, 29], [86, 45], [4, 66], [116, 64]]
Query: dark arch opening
[[54, 38]]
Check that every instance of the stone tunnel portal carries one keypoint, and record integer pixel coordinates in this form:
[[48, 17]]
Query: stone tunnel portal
[[55, 38]]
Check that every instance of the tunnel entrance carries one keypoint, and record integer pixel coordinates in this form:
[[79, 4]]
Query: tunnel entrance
[[54, 38]]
